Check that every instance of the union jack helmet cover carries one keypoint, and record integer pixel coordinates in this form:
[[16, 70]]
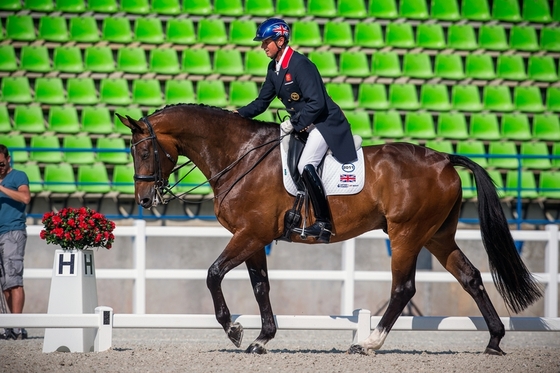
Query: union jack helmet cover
[[272, 28]]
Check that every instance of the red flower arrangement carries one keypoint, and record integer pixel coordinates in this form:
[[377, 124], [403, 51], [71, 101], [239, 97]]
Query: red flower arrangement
[[82, 228]]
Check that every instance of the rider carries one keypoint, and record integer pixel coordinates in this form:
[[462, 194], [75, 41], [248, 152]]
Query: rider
[[295, 80]]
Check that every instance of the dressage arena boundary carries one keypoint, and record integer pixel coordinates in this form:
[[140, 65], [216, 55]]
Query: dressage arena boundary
[[360, 323], [139, 231]]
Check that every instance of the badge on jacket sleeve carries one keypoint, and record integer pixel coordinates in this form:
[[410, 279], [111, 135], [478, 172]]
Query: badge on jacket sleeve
[[294, 96]]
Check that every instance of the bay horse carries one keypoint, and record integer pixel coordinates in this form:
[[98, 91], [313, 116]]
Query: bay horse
[[412, 192]]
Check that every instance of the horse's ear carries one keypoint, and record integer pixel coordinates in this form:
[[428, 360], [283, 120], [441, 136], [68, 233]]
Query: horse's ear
[[130, 123]]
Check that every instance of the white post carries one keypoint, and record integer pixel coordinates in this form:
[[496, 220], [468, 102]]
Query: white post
[[364, 325], [139, 247], [104, 335], [551, 263], [348, 266], [73, 291]]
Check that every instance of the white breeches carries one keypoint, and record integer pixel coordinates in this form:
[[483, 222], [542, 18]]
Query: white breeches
[[314, 150]]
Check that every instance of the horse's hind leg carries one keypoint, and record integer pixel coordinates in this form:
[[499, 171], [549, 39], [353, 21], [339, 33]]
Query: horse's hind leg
[[258, 272]]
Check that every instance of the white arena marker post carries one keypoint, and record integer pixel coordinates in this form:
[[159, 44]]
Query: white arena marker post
[[73, 291], [363, 319], [104, 335]]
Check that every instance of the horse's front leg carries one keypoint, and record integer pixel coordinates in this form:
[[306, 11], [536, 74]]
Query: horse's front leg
[[258, 272]]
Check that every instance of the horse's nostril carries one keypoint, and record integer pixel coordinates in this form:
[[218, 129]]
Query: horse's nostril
[[146, 202]]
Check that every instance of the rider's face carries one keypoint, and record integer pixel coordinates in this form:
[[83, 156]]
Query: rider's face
[[271, 48]]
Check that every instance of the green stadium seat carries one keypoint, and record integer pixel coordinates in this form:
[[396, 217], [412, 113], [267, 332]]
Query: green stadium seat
[[417, 65], [264, 8], [449, 66], [20, 28], [475, 10], [386, 64], [45, 149], [190, 179], [12, 5], [351, 9], [232, 8], [452, 126], [546, 127], [444, 146], [506, 10], [537, 155], [114, 91], [368, 35], [164, 61], [116, 30], [372, 96], [413, 9], [419, 125], [103, 6], [242, 93], [550, 38], [321, 8], [430, 36], [64, 119], [132, 60], [387, 124], [8, 60], [147, 92], [53, 29], [96, 120], [14, 141], [479, 66], [337, 34], [59, 178], [166, 7], [123, 179], [403, 96], [93, 178], [228, 62], [291, 8], [33, 174], [135, 6], [354, 64], [528, 99], [474, 149], [71, 6], [196, 61], [467, 185], [16, 90], [501, 155], [462, 37], [242, 32], [49, 91], [325, 61], [497, 98], [180, 31], [515, 126], [68, 59], [29, 119], [549, 185], [445, 10], [484, 126], [84, 29], [179, 92], [256, 62], [527, 189], [148, 31], [112, 150], [39, 5], [386, 9], [5, 125], [133, 112], [35, 59], [81, 91], [556, 153], [212, 31], [211, 92], [360, 124], [265, 116], [342, 94], [400, 35], [434, 97], [552, 99], [542, 68], [492, 37], [306, 34], [511, 67], [524, 38], [74, 149], [537, 11], [197, 7]]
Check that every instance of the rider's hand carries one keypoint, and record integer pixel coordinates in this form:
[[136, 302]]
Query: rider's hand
[[286, 127]]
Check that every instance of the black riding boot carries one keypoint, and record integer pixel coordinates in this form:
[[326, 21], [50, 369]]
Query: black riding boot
[[323, 226]]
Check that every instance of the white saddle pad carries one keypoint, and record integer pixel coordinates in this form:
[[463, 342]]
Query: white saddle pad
[[338, 178]]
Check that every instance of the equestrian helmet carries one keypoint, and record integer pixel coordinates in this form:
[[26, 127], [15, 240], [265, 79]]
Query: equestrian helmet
[[272, 28]]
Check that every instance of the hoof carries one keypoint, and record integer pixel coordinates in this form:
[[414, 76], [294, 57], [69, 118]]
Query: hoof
[[357, 349], [492, 351], [235, 334], [256, 348]]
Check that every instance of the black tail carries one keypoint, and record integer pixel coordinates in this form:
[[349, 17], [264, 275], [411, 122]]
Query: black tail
[[512, 278]]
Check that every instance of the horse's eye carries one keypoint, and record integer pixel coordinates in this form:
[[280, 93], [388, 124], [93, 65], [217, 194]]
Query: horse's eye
[[145, 155]]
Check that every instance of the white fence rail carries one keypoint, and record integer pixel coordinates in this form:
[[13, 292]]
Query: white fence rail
[[347, 274]]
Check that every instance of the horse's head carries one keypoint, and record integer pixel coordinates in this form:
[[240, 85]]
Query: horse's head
[[154, 159]]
